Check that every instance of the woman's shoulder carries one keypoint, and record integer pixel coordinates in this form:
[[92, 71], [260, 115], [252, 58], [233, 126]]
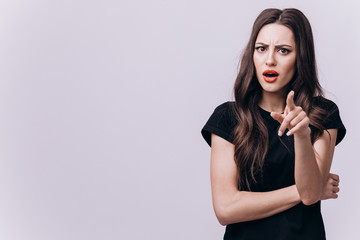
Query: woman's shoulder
[[225, 107], [324, 103], [330, 116], [221, 122], [226, 113]]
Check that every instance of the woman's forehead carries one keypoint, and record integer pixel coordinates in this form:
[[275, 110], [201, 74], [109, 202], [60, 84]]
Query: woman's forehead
[[277, 34]]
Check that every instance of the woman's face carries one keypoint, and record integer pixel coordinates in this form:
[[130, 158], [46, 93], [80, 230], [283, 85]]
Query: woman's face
[[274, 57]]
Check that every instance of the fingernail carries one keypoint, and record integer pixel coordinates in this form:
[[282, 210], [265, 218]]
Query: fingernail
[[280, 133], [288, 133]]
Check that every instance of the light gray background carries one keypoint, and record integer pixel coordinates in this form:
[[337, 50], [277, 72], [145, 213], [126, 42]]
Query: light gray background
[[102, 102]]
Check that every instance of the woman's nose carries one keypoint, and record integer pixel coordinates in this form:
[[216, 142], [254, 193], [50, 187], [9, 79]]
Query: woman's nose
[[271, 61]]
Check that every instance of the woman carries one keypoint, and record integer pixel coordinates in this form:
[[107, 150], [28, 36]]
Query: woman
[[271, 149]]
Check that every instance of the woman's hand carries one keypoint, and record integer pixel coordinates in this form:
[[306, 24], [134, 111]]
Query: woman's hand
[[331, 187], [294, 118]]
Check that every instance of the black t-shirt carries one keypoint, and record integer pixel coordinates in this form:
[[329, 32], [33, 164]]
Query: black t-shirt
[[299, 222]]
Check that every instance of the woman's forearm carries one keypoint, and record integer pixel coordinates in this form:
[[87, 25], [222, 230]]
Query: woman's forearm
[[308, 178], [246, 206]]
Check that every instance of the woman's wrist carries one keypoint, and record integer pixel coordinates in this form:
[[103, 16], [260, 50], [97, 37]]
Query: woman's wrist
[[306, 133]]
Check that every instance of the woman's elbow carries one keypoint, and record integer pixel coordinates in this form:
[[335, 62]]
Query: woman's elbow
[[222, 214], [226, 216], [310, 200], [222, 217], [222, 221], [310, 196]]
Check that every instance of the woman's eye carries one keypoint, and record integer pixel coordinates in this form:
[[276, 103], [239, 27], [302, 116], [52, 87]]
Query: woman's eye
[[284, 51], [260, 49]]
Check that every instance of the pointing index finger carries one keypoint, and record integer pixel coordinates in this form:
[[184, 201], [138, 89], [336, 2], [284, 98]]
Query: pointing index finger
[[290, 100]]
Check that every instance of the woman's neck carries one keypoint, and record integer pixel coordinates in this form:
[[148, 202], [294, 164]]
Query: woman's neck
[[272, 102]]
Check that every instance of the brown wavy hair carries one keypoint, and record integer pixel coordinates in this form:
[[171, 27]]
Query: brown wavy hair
[[251, 138]]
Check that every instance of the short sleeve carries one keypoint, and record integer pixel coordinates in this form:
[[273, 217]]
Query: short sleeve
[[221, 122], [333, 121]]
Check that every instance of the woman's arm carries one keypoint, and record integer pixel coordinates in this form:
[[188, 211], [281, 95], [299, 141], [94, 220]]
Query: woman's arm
[[312, 162], [232, 205]]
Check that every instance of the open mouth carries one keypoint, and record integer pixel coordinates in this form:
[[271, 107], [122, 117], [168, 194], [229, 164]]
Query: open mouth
[[270, 75]]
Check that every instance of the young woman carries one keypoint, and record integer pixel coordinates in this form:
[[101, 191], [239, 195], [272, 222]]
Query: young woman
[[271, 149]]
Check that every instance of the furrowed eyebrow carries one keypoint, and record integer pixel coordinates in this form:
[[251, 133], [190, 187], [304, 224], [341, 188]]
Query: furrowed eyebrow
[[277, 46], [283, 45], [261, 43]]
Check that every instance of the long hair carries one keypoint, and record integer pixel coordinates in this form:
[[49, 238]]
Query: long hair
[[251, 138]]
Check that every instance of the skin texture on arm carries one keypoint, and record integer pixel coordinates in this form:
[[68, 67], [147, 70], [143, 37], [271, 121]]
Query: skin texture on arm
[[232, 205], [312, 162]]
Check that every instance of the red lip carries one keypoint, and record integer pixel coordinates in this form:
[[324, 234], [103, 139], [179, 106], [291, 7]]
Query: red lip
[[270, 75]]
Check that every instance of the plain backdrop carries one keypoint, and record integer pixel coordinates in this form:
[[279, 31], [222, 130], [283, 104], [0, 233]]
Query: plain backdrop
[[102, 103]]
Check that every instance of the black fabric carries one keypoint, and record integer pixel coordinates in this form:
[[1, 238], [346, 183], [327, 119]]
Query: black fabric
[[299, 222]]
